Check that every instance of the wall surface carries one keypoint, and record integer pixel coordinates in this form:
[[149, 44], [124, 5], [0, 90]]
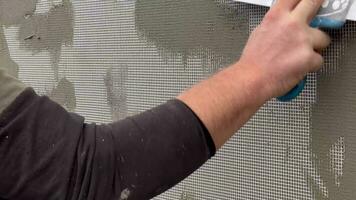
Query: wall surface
[[351, 15], [108, 59]]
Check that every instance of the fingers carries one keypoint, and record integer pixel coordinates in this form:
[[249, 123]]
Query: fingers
[[307, 9], [317, 62], [320, 40], [287, 4]]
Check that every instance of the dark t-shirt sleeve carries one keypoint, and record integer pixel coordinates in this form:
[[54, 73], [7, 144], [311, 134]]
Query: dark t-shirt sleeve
[[48, 153], [158, 148]]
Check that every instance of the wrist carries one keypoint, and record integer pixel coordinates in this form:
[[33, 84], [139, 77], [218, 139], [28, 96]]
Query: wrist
[[257, 83]]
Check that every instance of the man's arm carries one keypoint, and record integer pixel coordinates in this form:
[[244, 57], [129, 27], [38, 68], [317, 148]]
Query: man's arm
[[279, 53], [48, 153]]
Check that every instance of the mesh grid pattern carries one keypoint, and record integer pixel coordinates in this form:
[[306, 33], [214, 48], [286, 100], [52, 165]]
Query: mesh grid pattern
[[127, 56]]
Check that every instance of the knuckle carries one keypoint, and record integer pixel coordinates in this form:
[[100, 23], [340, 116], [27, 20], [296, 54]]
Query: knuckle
[[311, 55], [293, 26], [327, 38], [270, 17], [305, 39], [274, 15], [318, 62], [313, 3], [308, 55]]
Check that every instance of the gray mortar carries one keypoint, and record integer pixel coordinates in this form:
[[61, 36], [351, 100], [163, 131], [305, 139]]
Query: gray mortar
[[49, 32], [64, 94], [334, 117], [190, 29], [15, 11], [115, 83]]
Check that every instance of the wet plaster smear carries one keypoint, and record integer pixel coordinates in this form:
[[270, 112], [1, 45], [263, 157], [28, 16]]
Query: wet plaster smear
[[12, 12], [49, 32], [38, 32], [214, 33], [115, 81], [208, 30], [333, 122], [332, 174]]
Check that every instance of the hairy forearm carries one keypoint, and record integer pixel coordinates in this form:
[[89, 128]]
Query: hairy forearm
[[226, 101], [278, 54]]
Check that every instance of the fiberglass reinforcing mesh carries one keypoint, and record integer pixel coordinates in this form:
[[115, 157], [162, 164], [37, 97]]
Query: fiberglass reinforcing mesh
[[108, 59]]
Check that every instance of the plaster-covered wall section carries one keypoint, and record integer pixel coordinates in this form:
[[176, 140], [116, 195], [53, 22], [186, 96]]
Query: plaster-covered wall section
[[107, 60], [46, 31], [115, 82], [333, 138], [203, 29], [15, 11], [49, 32]]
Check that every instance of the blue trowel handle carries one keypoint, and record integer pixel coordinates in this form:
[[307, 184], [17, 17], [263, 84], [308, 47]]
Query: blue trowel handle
[[294, 92], [324, 22], [321, 22]]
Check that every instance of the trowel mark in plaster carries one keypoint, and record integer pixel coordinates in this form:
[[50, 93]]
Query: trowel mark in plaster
[[64, 94], [337, 157], [333, 118], [125, 194], [186, 195], [12, 12], [15, 11], [49, 32], [193, 29], [115, 82]]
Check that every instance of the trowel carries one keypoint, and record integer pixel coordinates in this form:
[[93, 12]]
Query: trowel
[[332, 15]]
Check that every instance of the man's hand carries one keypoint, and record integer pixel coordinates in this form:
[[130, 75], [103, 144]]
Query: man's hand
[[279, 53], [284, 48]]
